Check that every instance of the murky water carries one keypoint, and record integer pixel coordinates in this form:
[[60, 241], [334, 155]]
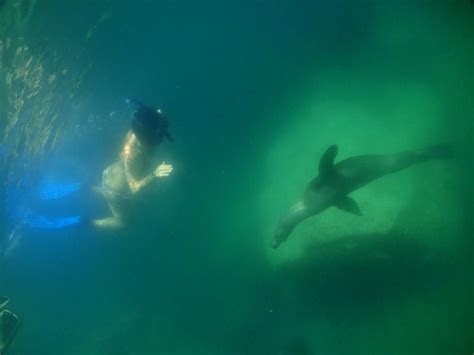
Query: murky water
[[255, 92]]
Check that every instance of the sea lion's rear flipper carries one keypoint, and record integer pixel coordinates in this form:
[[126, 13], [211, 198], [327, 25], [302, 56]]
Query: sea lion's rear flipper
[[3, 302], [438, 151], [349, 205], [326, 163], [9, 324]]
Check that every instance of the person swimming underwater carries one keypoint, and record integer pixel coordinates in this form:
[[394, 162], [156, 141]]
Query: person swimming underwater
[[129, 175]]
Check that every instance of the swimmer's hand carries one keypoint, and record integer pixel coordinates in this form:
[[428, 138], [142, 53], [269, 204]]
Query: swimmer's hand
[[163, 170]]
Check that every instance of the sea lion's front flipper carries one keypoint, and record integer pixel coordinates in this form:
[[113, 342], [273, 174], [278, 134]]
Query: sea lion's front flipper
[[326, 163], [349, 205]]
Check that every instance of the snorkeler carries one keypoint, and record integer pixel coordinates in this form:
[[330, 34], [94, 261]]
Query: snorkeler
[[120, 182], [130, 174]]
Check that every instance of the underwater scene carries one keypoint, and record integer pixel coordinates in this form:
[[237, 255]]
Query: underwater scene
[[236, 177]]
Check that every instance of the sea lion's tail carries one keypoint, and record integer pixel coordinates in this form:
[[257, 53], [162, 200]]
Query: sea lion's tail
[[439, 151]]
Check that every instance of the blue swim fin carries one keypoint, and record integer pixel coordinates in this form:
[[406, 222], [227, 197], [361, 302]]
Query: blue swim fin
[[42, 222], [53, 191]]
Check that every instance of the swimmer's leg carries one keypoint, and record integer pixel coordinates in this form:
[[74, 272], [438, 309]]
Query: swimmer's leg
[[100, 191], [400, 161], [109, 223], [119, 205], [116, 222]]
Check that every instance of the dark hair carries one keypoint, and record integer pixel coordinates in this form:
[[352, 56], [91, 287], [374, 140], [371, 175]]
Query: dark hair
[[149, 125]]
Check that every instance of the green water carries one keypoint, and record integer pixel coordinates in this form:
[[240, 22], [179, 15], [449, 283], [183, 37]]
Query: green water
[[255, 92]]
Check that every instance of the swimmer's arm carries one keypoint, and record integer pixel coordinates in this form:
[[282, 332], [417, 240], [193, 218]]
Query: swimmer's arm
[[135, 185], [162, 170]]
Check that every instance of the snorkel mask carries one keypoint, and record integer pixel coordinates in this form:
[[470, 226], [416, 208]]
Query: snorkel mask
[[149, 125]]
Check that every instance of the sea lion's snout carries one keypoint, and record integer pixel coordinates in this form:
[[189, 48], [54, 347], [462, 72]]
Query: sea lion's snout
[[281, 234], [275, 244]]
